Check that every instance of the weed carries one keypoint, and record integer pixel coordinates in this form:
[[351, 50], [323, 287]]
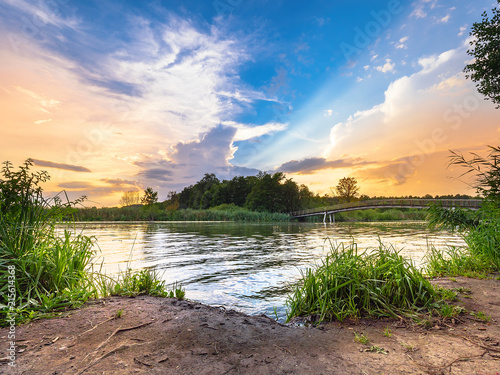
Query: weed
[[450, 311], [362, 339], [462, 290], [446, 294], [376, 349], [408, 347], [481, 316], [119, 314], [387, 332]]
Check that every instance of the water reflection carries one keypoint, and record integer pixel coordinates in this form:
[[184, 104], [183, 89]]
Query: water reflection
[[245, 266]]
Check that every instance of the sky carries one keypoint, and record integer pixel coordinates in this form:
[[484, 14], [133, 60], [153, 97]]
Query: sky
[[115, 96]]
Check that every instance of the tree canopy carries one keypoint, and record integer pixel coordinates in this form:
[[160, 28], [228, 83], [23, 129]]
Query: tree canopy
[[150, 197], [485, 68], [264, 192]]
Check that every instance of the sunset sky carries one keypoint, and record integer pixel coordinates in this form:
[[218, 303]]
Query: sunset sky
[[112, 96]]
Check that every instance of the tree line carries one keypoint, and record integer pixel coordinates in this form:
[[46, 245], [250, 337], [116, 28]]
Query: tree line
[[264, 192]]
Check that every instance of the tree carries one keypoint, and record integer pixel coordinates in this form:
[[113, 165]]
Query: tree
[[129, 198], [485, 69], [347, 188], [149, 197]]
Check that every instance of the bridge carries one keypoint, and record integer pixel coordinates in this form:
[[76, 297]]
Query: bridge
[[473, 204]]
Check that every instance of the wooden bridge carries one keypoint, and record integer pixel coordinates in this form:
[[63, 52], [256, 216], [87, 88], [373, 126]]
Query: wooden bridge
[[473, 204]]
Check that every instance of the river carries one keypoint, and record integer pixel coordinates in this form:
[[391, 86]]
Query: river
[[245, 266]]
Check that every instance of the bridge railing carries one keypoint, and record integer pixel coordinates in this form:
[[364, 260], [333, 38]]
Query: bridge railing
[[448, 203]]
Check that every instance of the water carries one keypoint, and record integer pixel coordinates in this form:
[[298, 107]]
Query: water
[[247, 267]]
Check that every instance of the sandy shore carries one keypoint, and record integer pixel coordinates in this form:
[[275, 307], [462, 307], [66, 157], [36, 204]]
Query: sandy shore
[[168, 336]]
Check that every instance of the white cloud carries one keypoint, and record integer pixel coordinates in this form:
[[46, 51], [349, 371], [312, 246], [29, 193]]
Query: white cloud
[[429, 112], [462, 30], [387, 67], [246, 132], [401, 44], [445, 19]]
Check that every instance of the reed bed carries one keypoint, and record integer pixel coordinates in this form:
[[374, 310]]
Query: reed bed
[[156, 213]]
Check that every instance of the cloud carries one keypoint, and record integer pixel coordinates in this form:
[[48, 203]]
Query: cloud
[[311, 165], [445, 19], [67, 167], [387, 67], [75, 185], [422, 116], [187, 162], [420, 8], [246, 132], [402, 41]]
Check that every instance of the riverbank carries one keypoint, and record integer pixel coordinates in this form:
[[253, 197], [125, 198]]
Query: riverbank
[[166, 336]]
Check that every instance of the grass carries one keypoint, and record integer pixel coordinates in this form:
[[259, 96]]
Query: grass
[[362, 339], [348, 284], [43, 270], [225, 212], [481, 316], [457, 261], [387, 332]]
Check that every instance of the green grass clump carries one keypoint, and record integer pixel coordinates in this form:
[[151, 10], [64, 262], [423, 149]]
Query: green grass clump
[[348, 284], [457, 261]]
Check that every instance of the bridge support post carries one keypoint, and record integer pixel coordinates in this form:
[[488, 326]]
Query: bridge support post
[[324, 218], [332, 218]]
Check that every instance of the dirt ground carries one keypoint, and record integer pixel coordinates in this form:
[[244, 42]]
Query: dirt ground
[[168, 336]]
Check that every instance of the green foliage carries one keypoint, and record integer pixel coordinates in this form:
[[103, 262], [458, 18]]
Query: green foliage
[[456, 261], [132, 283], [265, 193], [362, 339], [481, 316], [42, 268], [348, 284], [481, 229], [224, 212], [485, 68], [150, 197], [39, 268]]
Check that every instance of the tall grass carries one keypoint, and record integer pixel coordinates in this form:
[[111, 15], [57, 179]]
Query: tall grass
[[456, 261], [226, 212], [348, 284], [40, 269]]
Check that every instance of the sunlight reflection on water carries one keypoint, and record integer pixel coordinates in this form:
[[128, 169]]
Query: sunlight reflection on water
[[248, 267]]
